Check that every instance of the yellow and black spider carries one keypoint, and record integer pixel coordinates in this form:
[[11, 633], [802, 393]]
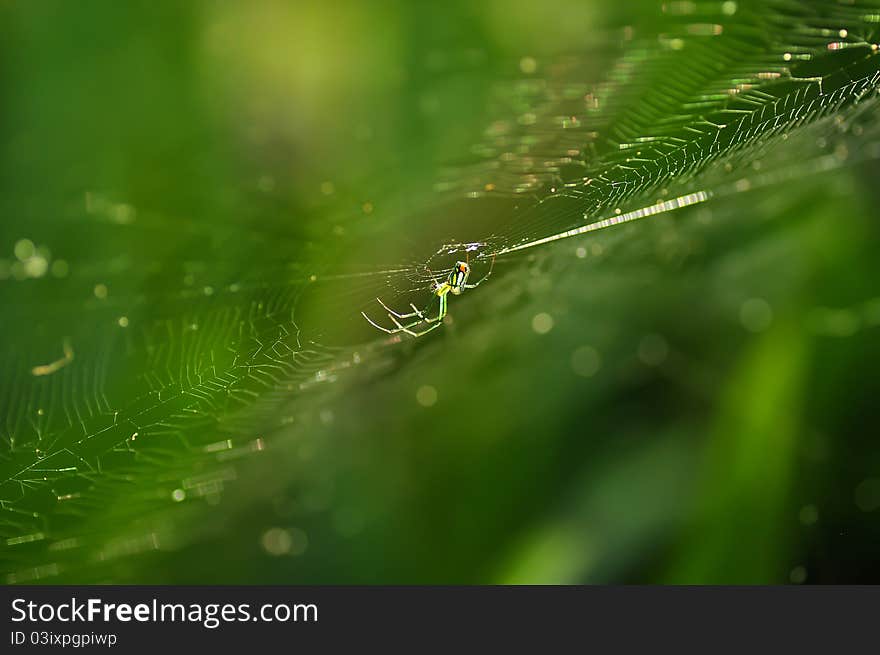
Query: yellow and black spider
[[456, 282]]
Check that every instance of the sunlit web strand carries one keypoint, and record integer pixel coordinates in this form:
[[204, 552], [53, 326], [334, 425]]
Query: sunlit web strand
[[346, 276], [651, 210]]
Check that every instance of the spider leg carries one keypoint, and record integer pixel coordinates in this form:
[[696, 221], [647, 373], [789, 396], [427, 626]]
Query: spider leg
[[401, 327], [405, 327], [415, 312], [423, 332], [377, 326], [440, 314], [484, 278], [433, 277], [396, 318]]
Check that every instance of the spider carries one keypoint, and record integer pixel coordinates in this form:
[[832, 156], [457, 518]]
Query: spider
[[456, 283]]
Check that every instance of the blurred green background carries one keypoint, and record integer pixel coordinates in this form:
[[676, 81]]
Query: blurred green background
[[686, 399]]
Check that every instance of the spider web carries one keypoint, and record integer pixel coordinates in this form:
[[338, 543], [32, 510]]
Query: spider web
[[145, 397], [778, 94]]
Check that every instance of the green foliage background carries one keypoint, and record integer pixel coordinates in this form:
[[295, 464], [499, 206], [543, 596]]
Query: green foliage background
[[188, 393]]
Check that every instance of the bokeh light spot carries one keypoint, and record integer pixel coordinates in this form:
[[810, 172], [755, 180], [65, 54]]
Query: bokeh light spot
[[868, 494], [808, 515], [528, 65], [542, 323], [586, 361], [755, 314], [798, 575], [653, 349], [426, 396]]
